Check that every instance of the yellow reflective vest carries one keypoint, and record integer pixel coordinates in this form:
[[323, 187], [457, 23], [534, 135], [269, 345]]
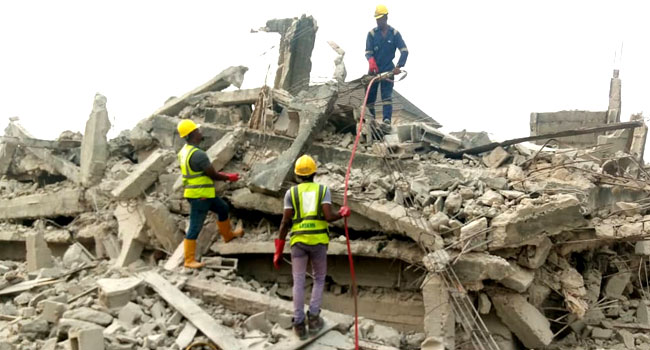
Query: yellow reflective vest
[[196, 183], [309, 225]]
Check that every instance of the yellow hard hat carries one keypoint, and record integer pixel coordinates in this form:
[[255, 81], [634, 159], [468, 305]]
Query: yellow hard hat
[[305, 166], [380, 11], [186, 126]]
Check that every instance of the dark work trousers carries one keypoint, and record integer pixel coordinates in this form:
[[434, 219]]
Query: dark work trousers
[[386, 98], [199, 210]]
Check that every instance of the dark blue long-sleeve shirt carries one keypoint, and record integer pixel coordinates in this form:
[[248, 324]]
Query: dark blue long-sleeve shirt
[[383, 49]]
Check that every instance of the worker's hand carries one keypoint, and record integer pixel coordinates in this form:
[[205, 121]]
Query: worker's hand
[[344, 211], [277, 257], [372, 66], [232, 177], [396, 71]]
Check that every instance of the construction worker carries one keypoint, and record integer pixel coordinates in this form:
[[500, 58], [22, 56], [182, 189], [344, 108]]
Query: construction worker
[[381, 43], [198, 180], [308, 209]]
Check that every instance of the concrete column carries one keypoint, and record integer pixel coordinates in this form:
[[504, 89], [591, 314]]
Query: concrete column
[[94, 147], [38, 254], [614, 108], [439, 318]]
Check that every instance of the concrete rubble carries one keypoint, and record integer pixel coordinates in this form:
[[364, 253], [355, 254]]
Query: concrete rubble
[[547, 247]]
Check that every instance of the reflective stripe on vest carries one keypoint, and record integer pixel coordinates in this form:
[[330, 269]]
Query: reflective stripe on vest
[[196, 183], [309, 225]]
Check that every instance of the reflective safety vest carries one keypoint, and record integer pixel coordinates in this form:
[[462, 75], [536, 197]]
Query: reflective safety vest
[[196, 183], [309, 225]]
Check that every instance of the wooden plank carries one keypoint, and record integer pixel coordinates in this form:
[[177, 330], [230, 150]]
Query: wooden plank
[[27, 285], [295, 343], [564, 133], [220, 335]]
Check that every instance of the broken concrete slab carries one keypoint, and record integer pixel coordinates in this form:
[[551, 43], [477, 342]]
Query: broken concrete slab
[[86, 339], [38, 254], [616, 284], [229, 76], [132, 231], [94, 147], [525, 321], [528, 221], [474, 234], [220, 335], [476, 267], [220, 153], [89, 315], [314, 107], [162, 224], [186, 336], [144, 175], [229, 98], [66, 202], [64, 167], [52, 310], [117, 292]]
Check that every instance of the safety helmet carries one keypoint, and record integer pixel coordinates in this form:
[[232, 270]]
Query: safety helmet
[[380, 11], [305, 166], [186, 126]]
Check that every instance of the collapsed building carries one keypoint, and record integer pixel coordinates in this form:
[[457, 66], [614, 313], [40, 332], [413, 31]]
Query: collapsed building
[[458, 242]]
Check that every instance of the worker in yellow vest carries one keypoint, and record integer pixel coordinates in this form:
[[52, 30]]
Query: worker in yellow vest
[[307, 210], [198, 181]]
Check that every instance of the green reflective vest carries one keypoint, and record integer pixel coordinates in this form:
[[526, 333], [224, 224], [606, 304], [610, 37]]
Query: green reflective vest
[[196, 183], [309, 225]]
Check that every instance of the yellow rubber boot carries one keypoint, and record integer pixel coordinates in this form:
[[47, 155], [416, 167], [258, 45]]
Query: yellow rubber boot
[[190, 254], [227, 233]]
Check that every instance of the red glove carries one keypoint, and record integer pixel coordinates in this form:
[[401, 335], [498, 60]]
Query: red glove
[[344, 211], [372, 66], [277, 257], [232, 177]]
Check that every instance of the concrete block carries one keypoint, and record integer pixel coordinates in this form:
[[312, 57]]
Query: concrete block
[[52, 310], [94, 147], [76, 254], [144, 175], [219, 263], [130, 314], [476, 233], [496, 157], [534, 256], [520, 279], [616, 284], [475, 267], [527, 222], [523, 319], [258, 322], [117, 292], [66, 202], [642, 248], [87, 339], [38, 254], [601, 333], [186, 336], [162, 224], [132, 231], [484, 304], [643, 313]]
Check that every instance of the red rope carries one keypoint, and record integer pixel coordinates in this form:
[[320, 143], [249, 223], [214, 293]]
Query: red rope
[[345, 203]]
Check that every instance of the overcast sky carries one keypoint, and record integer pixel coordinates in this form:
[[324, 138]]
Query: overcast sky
[[475, 65]]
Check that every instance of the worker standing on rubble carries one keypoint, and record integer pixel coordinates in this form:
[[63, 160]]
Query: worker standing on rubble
[[198, 181], [381, 43], [308, 208]]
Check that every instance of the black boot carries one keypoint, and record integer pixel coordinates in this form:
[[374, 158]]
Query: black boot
[[300, 329], [315, 323]]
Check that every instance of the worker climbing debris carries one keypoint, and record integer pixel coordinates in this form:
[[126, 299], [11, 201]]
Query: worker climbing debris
[[198, 182]]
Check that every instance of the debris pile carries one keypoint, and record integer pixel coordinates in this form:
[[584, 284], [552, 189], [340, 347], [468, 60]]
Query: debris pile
[[531, 245]]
